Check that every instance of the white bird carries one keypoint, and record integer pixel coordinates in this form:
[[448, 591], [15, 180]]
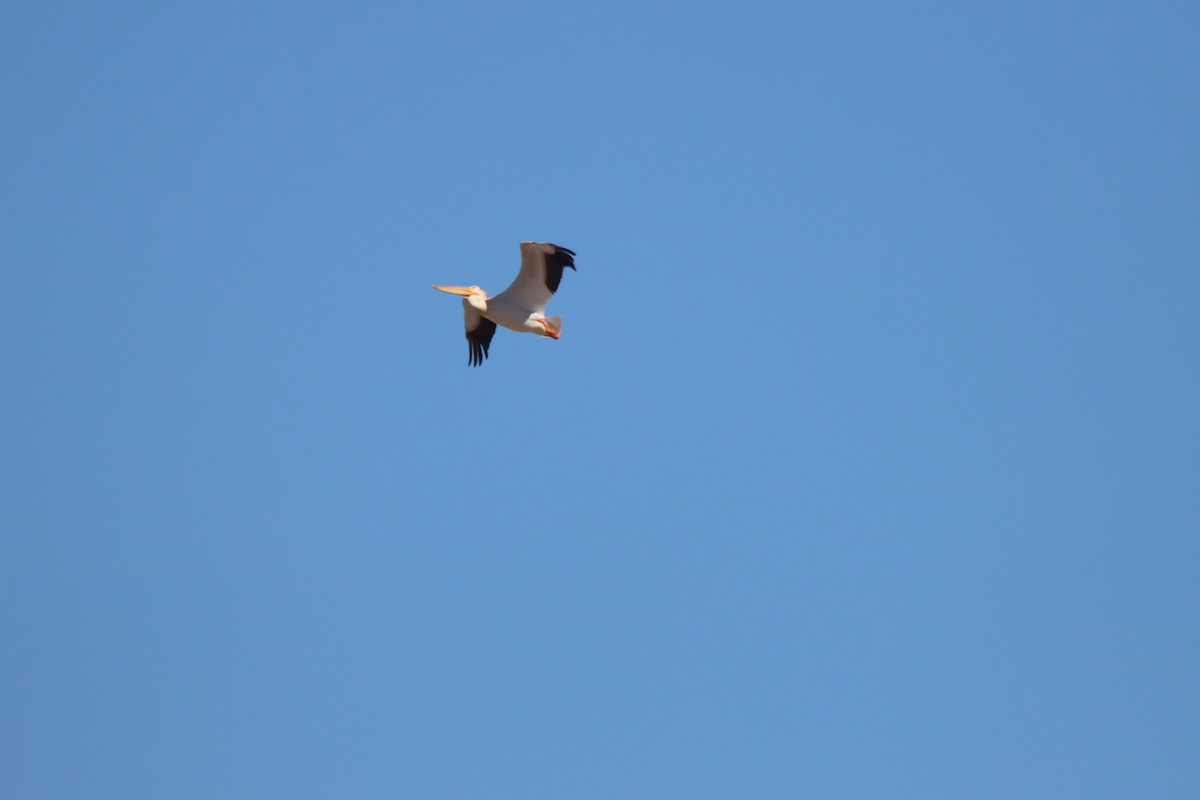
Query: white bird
[[522, 306]]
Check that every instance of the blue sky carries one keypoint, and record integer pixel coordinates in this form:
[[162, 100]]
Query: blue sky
[[866, 466]]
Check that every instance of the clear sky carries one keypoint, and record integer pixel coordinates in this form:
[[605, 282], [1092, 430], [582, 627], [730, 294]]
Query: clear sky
[[868, 464]]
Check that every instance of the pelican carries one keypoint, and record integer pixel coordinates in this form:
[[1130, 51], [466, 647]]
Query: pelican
[[522, 306]]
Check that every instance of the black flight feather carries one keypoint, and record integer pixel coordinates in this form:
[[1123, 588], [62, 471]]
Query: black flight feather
[[479, 339], [555, 263]]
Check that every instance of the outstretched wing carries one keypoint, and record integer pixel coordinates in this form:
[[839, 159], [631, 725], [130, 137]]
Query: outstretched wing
[[479, 334], [542, 266]]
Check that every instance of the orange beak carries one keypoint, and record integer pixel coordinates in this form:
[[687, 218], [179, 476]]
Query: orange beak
[[462, 291]]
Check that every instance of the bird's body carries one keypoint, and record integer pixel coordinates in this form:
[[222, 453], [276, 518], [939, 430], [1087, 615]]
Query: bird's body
[[522, 306], [512, 315]]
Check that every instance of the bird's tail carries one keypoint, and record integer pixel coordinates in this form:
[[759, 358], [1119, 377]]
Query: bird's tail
[[553, 325]]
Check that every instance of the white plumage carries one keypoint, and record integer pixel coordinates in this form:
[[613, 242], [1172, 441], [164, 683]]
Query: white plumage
[[522, 306]]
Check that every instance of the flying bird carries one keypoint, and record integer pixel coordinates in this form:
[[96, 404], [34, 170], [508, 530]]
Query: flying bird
[[522, 306]]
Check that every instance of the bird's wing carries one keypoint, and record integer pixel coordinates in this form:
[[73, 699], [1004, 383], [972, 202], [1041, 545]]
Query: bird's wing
[[542, 267], [479, 334]]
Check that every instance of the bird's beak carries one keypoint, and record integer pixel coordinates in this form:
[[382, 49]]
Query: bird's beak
[[459, 290]]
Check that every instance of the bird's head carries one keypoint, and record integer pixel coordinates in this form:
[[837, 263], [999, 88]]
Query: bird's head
[[475, 296]]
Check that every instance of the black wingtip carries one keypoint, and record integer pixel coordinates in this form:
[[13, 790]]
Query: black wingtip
[[561, 257], [479, 340]]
